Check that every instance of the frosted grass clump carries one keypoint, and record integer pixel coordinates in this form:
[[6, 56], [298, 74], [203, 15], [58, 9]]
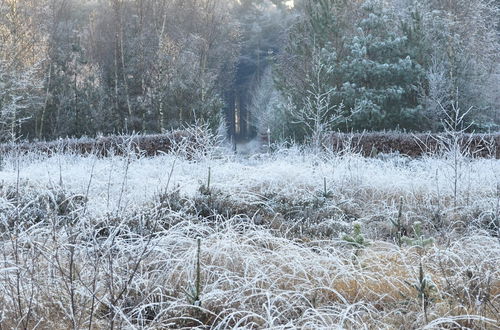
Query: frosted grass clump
[[91, 242]]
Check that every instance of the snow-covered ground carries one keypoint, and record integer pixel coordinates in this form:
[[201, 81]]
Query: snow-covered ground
[[119, 248], [292, 173]]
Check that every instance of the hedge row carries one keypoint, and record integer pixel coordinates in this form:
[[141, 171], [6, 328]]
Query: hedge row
[[149, 145], [368, 144], [415, 145]]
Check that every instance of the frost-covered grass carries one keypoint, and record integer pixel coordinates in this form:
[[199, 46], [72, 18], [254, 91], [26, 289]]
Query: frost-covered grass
[[91, 242]]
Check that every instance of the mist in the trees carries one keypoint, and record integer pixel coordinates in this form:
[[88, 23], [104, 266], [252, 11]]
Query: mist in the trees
[[73, 68]]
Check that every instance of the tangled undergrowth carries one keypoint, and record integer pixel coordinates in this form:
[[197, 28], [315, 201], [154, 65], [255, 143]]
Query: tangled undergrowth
[[283, 240]]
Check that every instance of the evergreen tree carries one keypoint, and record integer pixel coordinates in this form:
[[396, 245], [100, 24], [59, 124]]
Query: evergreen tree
[[371, 72], [380, 75]]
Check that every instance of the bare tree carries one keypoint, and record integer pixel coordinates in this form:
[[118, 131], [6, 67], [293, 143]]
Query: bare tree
[[319, 114]]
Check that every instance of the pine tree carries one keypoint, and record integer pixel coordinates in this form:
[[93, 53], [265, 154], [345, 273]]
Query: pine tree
[[380, 75]]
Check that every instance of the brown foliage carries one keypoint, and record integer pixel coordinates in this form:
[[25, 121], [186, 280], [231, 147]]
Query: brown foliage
[[368, 144], [413, 145], [149, 145]]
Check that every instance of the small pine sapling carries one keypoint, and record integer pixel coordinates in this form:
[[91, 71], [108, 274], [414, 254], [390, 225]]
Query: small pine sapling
[[323, 194], [356, 239], [326, 193], [424, 288], [205, 189], [398, 223], [419, 240], [194, 293]]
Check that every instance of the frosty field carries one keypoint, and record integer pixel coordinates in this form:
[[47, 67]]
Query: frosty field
[[102, 243]]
